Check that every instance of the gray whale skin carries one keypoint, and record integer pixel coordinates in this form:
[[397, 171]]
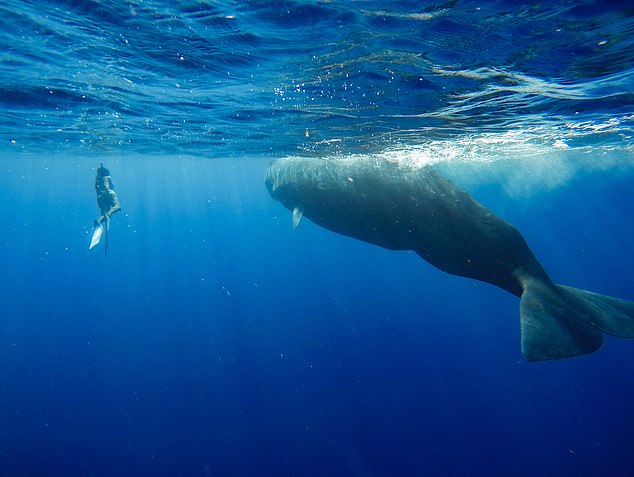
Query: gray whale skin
[[402, 208]]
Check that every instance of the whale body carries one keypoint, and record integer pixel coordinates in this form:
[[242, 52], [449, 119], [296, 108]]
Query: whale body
[[403, 208]]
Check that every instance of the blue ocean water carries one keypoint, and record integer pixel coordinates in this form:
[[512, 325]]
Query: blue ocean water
[[215, 340]]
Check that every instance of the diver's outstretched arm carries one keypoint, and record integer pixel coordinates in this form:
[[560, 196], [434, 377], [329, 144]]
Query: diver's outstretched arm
[[116, 208]]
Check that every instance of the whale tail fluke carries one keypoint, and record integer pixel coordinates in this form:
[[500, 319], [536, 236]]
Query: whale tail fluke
[[558, 321]]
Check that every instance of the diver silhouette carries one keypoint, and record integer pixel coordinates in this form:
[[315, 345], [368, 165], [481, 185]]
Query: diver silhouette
[[108, 203]]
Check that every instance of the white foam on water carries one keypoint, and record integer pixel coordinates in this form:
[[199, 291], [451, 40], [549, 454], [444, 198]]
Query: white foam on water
[[525, 161]]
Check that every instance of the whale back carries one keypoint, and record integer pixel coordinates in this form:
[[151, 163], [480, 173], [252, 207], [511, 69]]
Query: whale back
[[404, 208]]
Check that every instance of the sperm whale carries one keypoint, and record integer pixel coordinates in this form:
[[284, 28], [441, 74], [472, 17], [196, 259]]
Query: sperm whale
[[405, 208]]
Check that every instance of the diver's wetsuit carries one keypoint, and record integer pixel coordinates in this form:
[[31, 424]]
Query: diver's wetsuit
[[107, 199]]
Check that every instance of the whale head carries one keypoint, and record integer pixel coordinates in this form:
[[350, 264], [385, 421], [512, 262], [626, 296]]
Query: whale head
[[305, 183]]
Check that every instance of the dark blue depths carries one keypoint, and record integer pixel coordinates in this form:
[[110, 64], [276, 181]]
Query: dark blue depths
[[215, 340]]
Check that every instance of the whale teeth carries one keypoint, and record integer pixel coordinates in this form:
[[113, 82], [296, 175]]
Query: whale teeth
[[297, 216]]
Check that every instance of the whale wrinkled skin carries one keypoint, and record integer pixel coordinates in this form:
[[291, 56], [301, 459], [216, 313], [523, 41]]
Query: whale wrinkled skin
[[403, 208]]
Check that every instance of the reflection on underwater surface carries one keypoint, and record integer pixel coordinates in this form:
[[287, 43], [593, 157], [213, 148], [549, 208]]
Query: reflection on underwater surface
[[221, 79]]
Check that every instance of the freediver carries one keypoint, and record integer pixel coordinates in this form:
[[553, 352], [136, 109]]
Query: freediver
[[108, 203]]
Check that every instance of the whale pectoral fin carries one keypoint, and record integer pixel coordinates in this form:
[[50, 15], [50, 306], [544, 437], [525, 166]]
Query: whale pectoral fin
[[554, 324], [297, 216]]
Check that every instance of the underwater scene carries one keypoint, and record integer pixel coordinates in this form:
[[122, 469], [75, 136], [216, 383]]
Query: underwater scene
[[316, 238]]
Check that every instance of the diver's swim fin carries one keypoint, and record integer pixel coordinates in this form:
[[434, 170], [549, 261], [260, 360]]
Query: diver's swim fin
[[97, 232]]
